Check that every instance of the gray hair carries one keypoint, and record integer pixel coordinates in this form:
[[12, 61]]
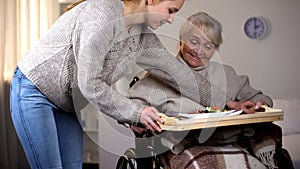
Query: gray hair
[[209, 26]]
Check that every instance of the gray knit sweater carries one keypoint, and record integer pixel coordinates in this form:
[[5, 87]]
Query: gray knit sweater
[[151, 91], [89, 48]]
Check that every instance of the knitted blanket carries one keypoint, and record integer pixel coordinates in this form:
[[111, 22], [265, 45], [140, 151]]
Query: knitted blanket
[[254, 147], [208, 157]]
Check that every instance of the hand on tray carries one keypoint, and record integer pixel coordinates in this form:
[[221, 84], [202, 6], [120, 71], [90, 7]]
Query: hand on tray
[[248, 107]]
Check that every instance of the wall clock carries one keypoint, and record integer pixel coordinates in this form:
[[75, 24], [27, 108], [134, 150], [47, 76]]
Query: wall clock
[[255, 27]]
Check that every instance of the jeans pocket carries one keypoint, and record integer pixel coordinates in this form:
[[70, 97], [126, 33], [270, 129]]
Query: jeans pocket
[[30, 96]]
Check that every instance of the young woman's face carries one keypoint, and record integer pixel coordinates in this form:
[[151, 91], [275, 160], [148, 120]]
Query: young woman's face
[[161, 12], [195, 50]]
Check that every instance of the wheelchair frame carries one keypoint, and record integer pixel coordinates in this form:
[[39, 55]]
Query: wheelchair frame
[[144, 156]]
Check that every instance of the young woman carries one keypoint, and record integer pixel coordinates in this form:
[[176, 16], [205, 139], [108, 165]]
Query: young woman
[[88, 49]]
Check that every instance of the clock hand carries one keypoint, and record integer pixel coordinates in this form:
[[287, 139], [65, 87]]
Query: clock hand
[[255, 24]]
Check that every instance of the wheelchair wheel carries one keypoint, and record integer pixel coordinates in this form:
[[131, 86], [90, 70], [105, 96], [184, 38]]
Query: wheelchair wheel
[[127, 161]]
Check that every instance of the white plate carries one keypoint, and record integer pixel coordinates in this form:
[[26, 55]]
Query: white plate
[[210, 115]]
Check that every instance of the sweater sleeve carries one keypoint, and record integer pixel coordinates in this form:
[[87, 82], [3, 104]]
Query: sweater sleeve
[[151, 92], [163, 65], [94, 33], [240, 89]]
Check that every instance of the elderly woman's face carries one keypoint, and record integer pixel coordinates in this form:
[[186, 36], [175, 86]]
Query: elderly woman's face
[[196, 51]]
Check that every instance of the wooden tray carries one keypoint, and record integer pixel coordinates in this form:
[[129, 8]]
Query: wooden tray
[[172, 123]]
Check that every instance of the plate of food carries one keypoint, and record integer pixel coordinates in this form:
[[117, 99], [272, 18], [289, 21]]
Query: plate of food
[[203, 115]]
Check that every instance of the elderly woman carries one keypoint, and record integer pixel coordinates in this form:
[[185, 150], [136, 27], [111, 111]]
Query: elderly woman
[[200, 38]]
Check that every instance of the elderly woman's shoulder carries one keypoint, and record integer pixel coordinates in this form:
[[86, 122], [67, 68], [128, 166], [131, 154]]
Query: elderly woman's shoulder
[[149, 81], [220, 65]]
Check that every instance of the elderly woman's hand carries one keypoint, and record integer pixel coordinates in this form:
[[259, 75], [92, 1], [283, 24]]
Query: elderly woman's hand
[[150, 119], [248, 107]]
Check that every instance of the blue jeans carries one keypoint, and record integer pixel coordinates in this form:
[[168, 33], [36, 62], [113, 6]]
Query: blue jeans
[[51, 137]]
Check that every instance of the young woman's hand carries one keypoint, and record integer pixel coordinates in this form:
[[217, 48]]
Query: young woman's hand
[[150, 119]]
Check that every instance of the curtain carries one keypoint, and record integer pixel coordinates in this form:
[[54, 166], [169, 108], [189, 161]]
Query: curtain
[[22, 22]]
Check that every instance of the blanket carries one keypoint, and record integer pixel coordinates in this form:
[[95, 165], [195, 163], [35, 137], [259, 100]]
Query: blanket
[[254, 145], [212, 157]]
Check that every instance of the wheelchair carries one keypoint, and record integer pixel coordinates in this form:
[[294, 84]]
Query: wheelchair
[[148, 148], [145, 155]]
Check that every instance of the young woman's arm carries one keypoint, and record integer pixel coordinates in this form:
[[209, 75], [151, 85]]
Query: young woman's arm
[[93, 37], [163, 65]]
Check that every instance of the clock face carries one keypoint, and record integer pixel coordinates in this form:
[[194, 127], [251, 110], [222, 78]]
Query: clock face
[[255, 28]]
